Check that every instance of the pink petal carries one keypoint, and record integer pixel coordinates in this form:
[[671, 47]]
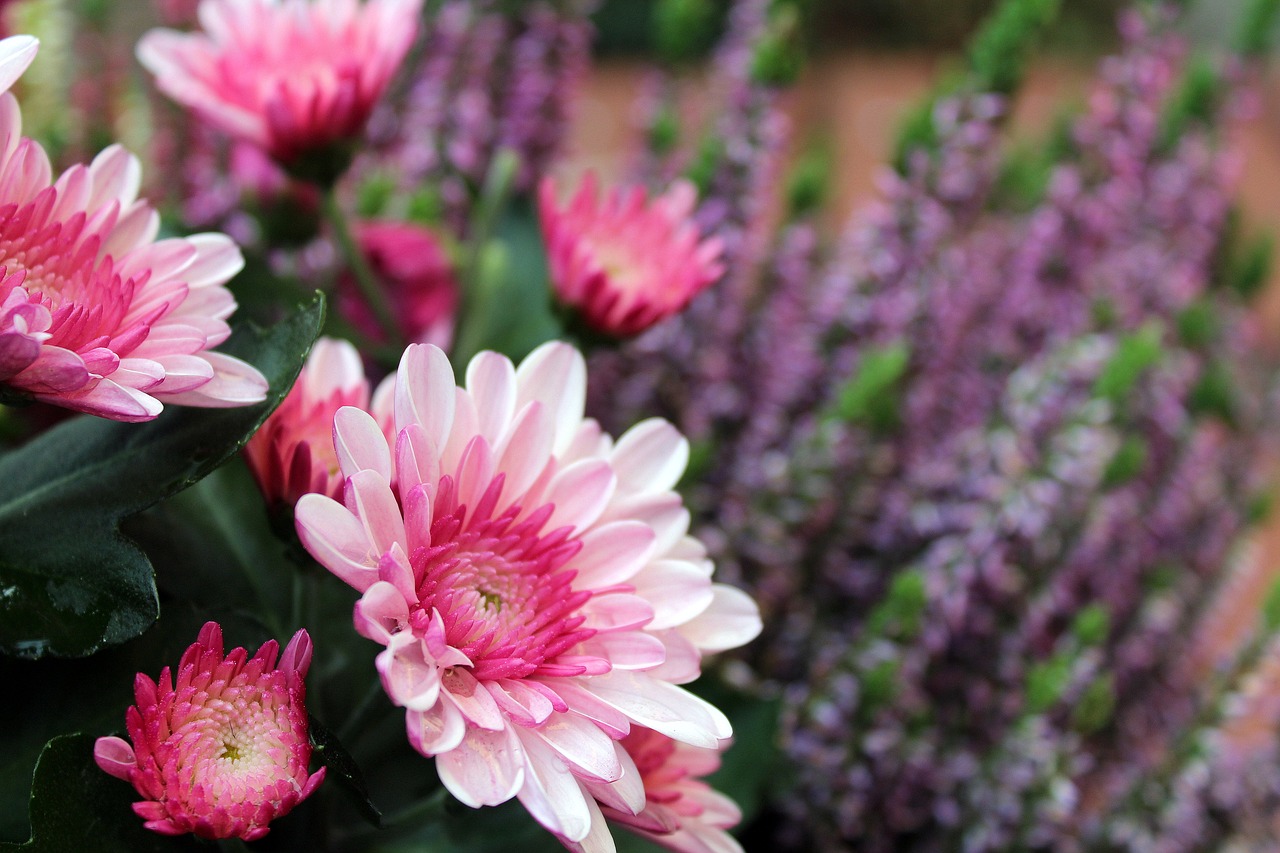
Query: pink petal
[[485, 769]]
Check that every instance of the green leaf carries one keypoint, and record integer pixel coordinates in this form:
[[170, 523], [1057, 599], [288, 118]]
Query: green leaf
[[1134, 354], [76, 806], [70, 583], [343, 769], [871, 396]]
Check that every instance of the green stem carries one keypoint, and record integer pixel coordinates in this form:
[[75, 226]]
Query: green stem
[[468, 322], [414, 812], [366, 280], [360, 712]]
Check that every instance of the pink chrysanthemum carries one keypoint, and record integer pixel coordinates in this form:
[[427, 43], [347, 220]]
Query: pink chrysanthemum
[[624, 262], [95, 315], [681, 812], [224, 750], [533, 582], [296, 78], [415, 270], [292, 454]]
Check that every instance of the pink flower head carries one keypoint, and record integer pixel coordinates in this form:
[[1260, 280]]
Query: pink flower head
[[95, 314], [681, 812], [624, 263], [224, 751], [292, 454], [296, 78], [409, 260], [533, 581]]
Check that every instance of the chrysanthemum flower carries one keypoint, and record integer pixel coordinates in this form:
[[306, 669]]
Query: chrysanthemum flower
[[223, 751], [415, 270], [624, 262], [681, 812], [292, 453], [296, 78], [532, 580], [95, 314]]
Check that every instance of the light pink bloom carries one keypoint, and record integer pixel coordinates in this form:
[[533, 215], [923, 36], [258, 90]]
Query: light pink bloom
[[413, 267], [624, 262], [95, 314], [296, 78], [532, 580], [224, 750], [681, 812], [292, 454]]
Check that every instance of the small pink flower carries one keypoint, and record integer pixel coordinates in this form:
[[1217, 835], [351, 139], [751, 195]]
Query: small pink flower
[[626, 263], [410, 262], [681, 812], [224, 751], [533, 582], [95, 314], [292, 453], [296, 78]]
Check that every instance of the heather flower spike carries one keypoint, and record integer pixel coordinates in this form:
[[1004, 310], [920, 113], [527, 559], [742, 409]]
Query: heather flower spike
[[533, 581], [95, 314], [624, 262], [296, 78], [223, 750], [292, 453]]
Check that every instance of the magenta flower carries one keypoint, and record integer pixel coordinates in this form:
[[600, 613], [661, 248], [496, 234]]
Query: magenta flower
[[624, 262], [292, 453], [532, 580], [224, 751], [681, 812], [95, 314], [296, 78], [418, 276]]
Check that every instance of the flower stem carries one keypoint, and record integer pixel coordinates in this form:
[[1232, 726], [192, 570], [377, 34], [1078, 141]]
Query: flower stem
[[366, 280], [470, 323]]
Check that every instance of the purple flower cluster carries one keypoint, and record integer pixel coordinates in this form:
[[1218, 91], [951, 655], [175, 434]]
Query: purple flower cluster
[[984, 465], [491, 79]]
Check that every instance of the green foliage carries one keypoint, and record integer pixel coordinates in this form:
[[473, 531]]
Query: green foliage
[[1199, 324], [1096, 705], [779, 55], [1046, 682], [1214, 395], [1196, 101], [71, 582], [899, 614], [879, 685], [75, 806], [871, 396], [374, 195], [1257, 27], [1091, 626], [1134, 354], [343, 770], [999, 52], [809, 183], [682, 29], [1247, 270], [1271, 609], [1129, 460]]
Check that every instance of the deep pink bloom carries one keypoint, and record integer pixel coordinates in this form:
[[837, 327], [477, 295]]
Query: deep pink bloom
[[681, 812], [415, 270], [224, 750], [624, 262], [533, 581], [95, 314], [296, 78], [292, 454]]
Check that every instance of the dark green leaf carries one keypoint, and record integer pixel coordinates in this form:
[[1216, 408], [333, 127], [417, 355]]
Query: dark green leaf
[[342, 769], [77, 807], [70, 583]]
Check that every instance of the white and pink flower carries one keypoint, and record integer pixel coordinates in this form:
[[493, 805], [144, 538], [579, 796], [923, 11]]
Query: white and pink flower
[[681, 812], [292, 453], [96, 315], [223, 750], [532, 580], [296, 78], [624, 263]]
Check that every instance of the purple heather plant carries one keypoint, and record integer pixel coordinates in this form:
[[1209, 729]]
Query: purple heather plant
[[984, 464]]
